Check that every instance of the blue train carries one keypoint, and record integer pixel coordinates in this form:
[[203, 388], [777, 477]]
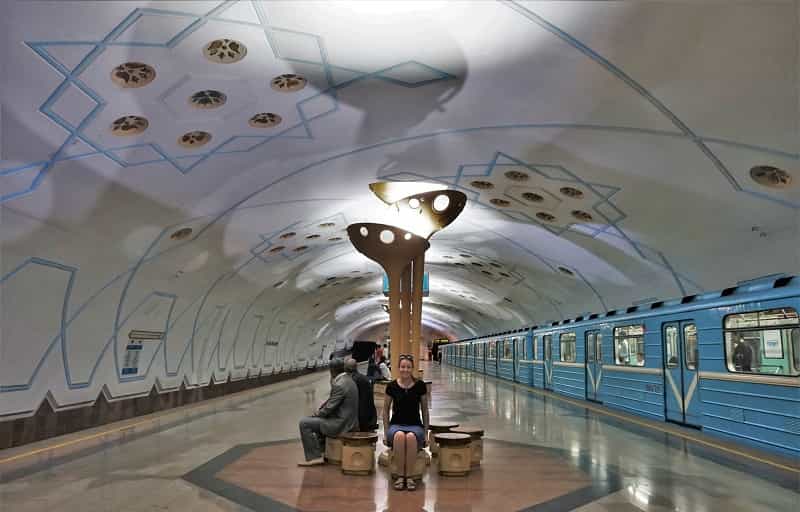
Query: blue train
[[726, 362]]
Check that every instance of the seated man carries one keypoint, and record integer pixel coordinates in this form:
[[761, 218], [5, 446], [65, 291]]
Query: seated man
[[367, 415], [337, 415]]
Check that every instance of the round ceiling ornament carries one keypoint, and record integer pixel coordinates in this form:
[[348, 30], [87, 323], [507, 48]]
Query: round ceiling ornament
[[225, 51], [545, 217], [482, 185], [181, 234], [288, 82], [131, 75], [574, 193], [532, 197], [582, 215], [194, 139], [518, 176], [502, 203], [208, 99], [265, 120], [129, 125], [769, 176]]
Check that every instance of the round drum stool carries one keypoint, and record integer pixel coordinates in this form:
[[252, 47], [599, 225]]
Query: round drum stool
[[438, 428], [476, 446], [378, 392], [417, 471], [428, 389], [358, 452], [454, 453], [333, 450]]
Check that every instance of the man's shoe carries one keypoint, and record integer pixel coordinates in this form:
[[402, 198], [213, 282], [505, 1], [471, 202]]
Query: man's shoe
[[313, 462]]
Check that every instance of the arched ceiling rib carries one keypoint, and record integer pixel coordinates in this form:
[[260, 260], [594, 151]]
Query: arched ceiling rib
[[605, 149]]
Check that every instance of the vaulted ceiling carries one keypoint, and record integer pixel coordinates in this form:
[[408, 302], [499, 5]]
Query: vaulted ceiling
[[610, 152]]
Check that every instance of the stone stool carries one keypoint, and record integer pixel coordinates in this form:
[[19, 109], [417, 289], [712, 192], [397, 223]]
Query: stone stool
[[476, 446], [358, 452], [333, 450], [454, 453], [429, 388], [378, 392], [438, 428]]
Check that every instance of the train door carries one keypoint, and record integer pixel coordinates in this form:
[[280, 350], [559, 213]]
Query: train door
[[547, 339], [518, 354], [594, 364], [680, 372]]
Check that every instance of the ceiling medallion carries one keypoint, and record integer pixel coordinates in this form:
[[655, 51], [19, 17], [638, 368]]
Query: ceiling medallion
[[483, 185], [517, 176], [277, 248], [582, 215], [131, 75], [288, 82], [545, 217], [225, 51], [312, 236], [265, 120], [181, 234], [287, 235], [129, 125], [571, 192], [502, 203], [208, 99], [326, 225], [532, 197], [335, 239], [769, 176], [194, 139], [300, 248], [565, 270]]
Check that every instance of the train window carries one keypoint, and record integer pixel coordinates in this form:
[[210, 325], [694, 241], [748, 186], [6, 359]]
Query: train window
[[492, 349], [520, 348], [671, 345], [629, 345], [764, 342], [508, 349], [547, 340], [568, 347], [599, 346], [690, 345], [591, 337]]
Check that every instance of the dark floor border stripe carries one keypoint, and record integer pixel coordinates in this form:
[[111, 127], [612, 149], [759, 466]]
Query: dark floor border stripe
[[605, 479]]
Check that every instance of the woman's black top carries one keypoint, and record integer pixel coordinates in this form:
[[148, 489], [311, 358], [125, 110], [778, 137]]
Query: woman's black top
[[406, 403]]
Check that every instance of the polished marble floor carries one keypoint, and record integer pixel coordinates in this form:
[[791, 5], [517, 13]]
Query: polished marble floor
[[541, 454]]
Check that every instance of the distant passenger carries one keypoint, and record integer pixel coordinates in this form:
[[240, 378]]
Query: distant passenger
[[338, 414], [742, 356], [367, 415], [405, 397], [378, 353], [384, 370]]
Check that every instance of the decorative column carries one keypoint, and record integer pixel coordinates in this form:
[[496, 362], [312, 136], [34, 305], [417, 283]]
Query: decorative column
[[401, 253]]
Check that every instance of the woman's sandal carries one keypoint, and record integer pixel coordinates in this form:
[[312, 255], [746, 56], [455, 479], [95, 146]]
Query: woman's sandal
[[411, 485], [399, 484]]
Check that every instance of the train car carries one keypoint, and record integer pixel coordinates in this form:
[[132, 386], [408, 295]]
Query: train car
[[725, 362]]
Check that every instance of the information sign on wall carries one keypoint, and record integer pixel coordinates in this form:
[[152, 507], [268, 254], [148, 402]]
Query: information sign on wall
[[136, 338]]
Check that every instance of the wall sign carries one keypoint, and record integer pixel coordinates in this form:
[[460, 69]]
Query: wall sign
[[136, 338]]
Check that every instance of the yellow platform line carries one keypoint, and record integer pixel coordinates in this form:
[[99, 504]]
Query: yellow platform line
[[684, 435]]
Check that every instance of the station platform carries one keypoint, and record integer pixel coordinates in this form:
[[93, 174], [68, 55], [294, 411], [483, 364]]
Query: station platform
[[541, 453]]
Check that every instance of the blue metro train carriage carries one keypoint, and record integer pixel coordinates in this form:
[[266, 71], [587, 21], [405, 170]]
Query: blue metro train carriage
[[725, 362]]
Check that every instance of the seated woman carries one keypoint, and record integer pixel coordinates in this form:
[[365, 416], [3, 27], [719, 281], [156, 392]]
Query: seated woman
[[405, 397]]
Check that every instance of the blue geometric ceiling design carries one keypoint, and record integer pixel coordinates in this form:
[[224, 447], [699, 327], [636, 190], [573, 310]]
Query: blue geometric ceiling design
[[243, 143], [603, 206]]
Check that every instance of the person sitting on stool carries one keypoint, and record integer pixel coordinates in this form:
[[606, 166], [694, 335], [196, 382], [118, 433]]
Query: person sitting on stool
[[405, 432], [338, 414], [367, 416]]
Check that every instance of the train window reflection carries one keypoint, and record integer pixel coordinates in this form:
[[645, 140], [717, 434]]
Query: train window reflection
[[508, 349], [671, 346], [629, 345], [690, 346], [568, 347], [764, 342]]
